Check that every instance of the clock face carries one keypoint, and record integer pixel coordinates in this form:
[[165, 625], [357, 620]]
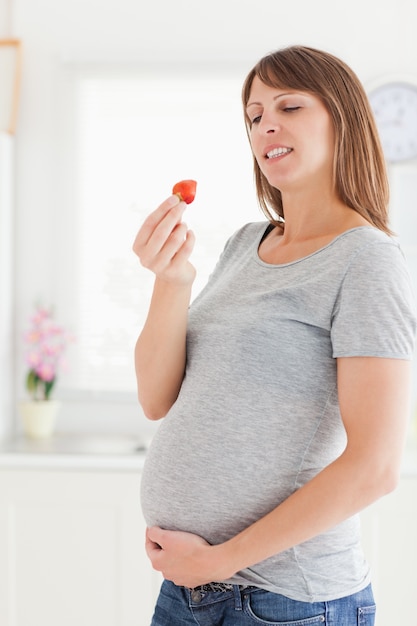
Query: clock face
[[395, 109]]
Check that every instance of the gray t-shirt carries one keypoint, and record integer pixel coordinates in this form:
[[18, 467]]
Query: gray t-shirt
[[257, 415]]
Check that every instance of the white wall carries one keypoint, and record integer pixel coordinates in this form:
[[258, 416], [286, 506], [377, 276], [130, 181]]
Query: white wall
[[6, 259], [376, 37], [5, 18], [6, 291]]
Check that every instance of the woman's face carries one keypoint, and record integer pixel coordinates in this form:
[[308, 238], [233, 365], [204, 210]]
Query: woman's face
[[292, 137]]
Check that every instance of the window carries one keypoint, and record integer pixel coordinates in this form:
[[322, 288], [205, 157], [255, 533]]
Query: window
[[133, 135]]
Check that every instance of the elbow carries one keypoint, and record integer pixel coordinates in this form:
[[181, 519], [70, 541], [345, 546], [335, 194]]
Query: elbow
[[389, 480], [152, 410], [153, 416], [384, 481], [374, 479]]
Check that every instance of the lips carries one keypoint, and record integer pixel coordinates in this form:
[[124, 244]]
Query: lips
[[273, 153]]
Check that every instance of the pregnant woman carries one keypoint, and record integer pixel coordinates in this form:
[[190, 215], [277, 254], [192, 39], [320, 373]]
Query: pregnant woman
[[284, 388]]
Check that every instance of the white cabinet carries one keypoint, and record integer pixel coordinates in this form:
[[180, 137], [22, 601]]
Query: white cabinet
[[389, 530], [72, 550]]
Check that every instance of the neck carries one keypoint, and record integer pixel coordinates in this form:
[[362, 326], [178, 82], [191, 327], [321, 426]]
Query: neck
[[308, 218]]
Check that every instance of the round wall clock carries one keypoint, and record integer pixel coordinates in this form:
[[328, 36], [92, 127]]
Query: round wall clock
[[395, 108]]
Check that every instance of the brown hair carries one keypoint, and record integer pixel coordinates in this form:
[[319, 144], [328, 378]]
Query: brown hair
[[360, 175]]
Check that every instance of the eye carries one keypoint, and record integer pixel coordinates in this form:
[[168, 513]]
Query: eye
[[256, 120], [291, 109]]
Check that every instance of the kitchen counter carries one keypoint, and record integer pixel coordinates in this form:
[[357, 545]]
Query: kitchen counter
[[76, 451]]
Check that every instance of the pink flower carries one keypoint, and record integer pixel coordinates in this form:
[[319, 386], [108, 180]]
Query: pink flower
[[39, 316], [46, 343], [50, 349], [46, 372], [33, 359], [32, 336]]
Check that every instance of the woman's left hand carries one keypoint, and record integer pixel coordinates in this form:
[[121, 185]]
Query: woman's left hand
[[184, 558]]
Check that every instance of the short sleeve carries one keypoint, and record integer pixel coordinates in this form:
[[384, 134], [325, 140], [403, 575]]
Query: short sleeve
[[375, 311]]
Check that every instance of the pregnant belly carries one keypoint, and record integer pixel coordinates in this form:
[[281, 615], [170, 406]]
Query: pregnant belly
[[213, 489]]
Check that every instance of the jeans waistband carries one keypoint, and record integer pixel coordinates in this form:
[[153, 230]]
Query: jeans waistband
[[216, 587]]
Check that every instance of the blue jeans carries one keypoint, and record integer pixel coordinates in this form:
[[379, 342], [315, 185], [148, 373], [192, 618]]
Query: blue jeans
[[250, 606]]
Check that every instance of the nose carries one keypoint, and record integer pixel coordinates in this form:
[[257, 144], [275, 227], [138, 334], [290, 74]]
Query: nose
[[269, 124]]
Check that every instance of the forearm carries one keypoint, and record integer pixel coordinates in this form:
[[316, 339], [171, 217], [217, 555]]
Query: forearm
[[374, 400], [335, 494], [160, 352], [341, 490]]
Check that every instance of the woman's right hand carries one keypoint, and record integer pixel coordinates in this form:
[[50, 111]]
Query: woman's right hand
[[164, 243]]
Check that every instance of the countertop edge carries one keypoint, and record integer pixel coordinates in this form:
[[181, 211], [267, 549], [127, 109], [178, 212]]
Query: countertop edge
[[72, 462], [78, 451]]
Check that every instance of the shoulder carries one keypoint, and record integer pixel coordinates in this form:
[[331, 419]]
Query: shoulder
[[367, 247], [375, 313], [364, 236], [372, 256]]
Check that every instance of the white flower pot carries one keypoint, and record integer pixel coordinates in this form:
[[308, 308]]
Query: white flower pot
[[38, 417]]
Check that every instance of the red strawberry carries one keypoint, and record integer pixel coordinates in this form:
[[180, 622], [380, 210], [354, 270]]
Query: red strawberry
[[185, 190]]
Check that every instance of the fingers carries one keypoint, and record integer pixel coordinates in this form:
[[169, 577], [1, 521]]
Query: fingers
[[152, 547], [180, 556], [166, 216], [164, 243], [167, 243], [186, 248], [154, 535]]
